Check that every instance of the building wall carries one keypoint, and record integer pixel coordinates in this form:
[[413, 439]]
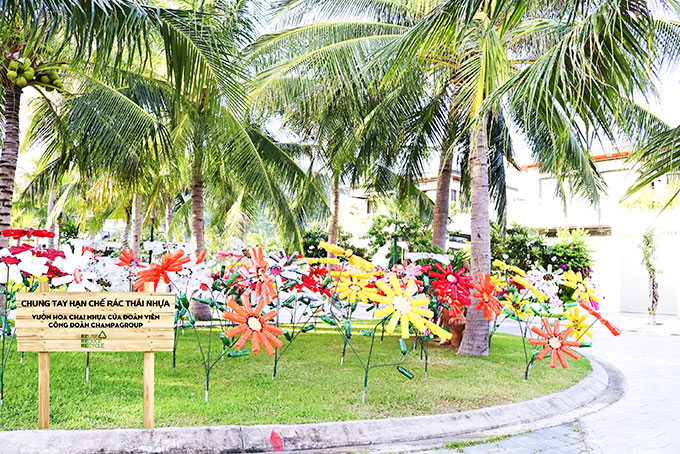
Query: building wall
[[621, 278]]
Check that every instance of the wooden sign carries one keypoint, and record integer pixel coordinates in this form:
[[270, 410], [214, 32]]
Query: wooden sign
[[94, 322]]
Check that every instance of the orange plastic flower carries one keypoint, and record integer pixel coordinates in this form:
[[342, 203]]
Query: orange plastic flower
[[555, 343], [254, 276], [127, 258], [487, 300], [172, 262], [252, 324]]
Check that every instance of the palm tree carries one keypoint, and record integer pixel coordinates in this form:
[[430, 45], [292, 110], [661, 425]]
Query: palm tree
[[41, 42], [564, 76]]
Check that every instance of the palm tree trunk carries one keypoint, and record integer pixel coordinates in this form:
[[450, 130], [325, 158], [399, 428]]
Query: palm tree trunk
[[8, 157], [441, 202], [335, 212], [197, 214], [126, 230], [137, 225], [476, 336], [49, 225], [169, 216]]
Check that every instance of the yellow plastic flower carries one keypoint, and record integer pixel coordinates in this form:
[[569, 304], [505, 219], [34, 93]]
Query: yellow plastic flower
[[500, 282], [353, 287], [349, 254], [405, 306], [505, 267], [582, 288], [314, 260], [516, 305], [577, 323]]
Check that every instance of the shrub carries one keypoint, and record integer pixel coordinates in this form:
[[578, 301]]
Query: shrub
[[520, 246], [571, 252]]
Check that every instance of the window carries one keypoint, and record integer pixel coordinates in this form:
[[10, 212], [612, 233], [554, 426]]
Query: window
[[454, 195]]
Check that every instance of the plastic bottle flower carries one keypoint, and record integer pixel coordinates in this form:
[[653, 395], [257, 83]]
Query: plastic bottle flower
[[515, 306], [529, 289], [488, 303], [577, 323], [405, 306], [583, 289], [127, 258], [12, 266], [314, 281], [77, 269], [505, 267], [283, 266], [254, 276], [253, 325], [454, 285], [354, 287], [172, 262], [410, 271], [349, 255], [555, 343]]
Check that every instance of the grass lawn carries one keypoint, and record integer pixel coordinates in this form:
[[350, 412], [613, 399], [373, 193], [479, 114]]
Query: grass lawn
[[310, 385]]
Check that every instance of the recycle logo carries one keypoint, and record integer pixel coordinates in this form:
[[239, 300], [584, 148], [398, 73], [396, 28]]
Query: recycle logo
[[102, 335]]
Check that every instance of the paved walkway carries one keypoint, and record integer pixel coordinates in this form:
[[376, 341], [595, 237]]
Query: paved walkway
[[645, 420]]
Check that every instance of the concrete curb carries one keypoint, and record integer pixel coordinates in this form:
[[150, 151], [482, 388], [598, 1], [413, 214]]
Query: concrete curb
[[239, 439]]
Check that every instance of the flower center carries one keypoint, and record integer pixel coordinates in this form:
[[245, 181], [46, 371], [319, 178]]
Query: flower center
[[254, 324], [548, 277], [275, 270], [401, 304], [555, 342], [582, 287], [77, 276], [452, 279]]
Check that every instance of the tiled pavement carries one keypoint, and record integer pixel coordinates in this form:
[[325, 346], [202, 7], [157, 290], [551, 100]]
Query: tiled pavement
[[645, 421]]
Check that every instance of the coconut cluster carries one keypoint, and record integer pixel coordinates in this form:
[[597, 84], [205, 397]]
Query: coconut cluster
[[22, 73]]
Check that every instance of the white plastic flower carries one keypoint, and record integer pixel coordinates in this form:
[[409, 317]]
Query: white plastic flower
[[193, 277], [281, 266], [79, 276], [11, 266], [546, 280]]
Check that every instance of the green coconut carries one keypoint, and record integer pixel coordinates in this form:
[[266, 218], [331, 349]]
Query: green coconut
[[27, 63], [45, 79], [13, 65], [53, 75], [21, 82], [29, 74], [12, 75]]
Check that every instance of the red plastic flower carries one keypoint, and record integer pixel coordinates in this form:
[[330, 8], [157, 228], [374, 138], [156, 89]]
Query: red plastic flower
[[171, 262], [488, 303], [452, 286], [314, 281], [127, 258], [253, 324], [555, 343], [17, 234], [254, 275]]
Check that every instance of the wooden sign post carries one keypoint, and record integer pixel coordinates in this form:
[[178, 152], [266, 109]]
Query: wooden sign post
[[94, 322]]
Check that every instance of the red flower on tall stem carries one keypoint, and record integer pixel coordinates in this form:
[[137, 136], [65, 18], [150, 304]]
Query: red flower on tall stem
[[253, 324], [451, 287], [314, 281], [172, 262], [17, 234], [254, 276], [555, 343], [486, 291], [127, 258]]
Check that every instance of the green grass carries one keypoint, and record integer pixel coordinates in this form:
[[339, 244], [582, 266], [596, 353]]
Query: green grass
[[311, 385]]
